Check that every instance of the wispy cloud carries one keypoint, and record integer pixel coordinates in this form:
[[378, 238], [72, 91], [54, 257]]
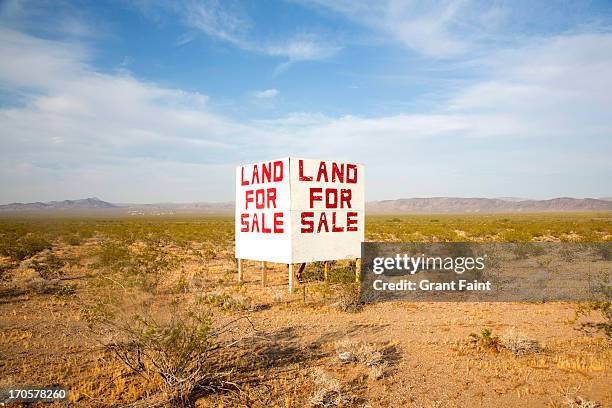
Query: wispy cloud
[[227, 21], [56, 17], [266, 94], [434, 29]]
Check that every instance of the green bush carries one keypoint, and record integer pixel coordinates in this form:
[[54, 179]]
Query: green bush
[[23, 247]]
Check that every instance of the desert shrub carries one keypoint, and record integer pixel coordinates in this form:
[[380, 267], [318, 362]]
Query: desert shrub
[[315, 271], [225, 301], [524, 250], [486, 340], [349, 299], [142, 267], [342, 273], [66, 291], [48, 268], [603, 307], [72, 239], [579, 402], [96, 314], [567, 254], [24, 246], [516, 236], [328, 391], [603, 250], [177, 352], [366, 354], [4, 268], [519, 344], [113, 255], [209, 253]]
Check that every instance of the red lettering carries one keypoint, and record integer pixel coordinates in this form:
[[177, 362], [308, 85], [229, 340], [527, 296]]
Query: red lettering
[[346, 195], [244, 222], [262, 222], [266, 172], [314, 197], [255, 175], [351, 220], [278, 223], [263, 225], [338, 172], [322, 172], [278, 170], [323, 220], [271, 198], [334, 227], [260, 199], [351, 173], [243, 182], [248, 199], [255, 223], [307, 222], [301, 172], [331, 198]]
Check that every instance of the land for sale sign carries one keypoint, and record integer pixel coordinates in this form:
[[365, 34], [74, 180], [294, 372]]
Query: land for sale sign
[[299, 210]]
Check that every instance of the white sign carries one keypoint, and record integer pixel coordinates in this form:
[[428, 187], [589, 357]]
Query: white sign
[[299, 210]]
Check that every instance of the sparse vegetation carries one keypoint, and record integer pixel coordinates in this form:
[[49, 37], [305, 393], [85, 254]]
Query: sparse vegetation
[[167, 346], [605, 310], [175, 352], [48, 268], [519, 344], [328, 391], [486, 340]]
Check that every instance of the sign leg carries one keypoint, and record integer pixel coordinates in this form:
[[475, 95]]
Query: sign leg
[[290, 278], [325, 271], [239, 270], [358, 270], [264, 274]]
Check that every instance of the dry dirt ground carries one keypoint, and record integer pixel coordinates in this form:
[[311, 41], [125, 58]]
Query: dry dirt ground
[[301, 349]]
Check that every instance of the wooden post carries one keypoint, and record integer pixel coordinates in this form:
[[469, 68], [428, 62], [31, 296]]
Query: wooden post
[[290, 278], [358, 270], [264, 274], [325, 271], [239, 270]]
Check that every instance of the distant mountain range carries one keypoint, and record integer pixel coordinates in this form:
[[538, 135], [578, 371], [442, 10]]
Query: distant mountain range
[[85, 203], [484, 205], [399, 206], [95, 203]]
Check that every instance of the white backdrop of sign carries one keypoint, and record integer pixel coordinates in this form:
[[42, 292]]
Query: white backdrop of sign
[[295, 210]]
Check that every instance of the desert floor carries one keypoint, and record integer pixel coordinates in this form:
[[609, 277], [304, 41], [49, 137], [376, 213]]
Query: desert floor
[[59, 321]]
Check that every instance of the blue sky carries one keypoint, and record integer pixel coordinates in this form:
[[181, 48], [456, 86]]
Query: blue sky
[[151, 101]]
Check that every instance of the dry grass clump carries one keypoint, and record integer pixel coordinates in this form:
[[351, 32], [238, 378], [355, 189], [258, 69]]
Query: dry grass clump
[[349, 299], [364, 353], [328, 391], [519, 344], [579, 402], [226, 301]]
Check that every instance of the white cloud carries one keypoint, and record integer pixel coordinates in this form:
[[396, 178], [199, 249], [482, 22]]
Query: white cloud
[[538, 123], [436, 29], [266, 94], [228, 22]]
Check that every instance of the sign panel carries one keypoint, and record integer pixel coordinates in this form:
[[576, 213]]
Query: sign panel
[[263, 226], [299, 210]]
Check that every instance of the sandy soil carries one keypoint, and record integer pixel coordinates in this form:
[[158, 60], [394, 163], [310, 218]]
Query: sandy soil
[[428, 358]]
